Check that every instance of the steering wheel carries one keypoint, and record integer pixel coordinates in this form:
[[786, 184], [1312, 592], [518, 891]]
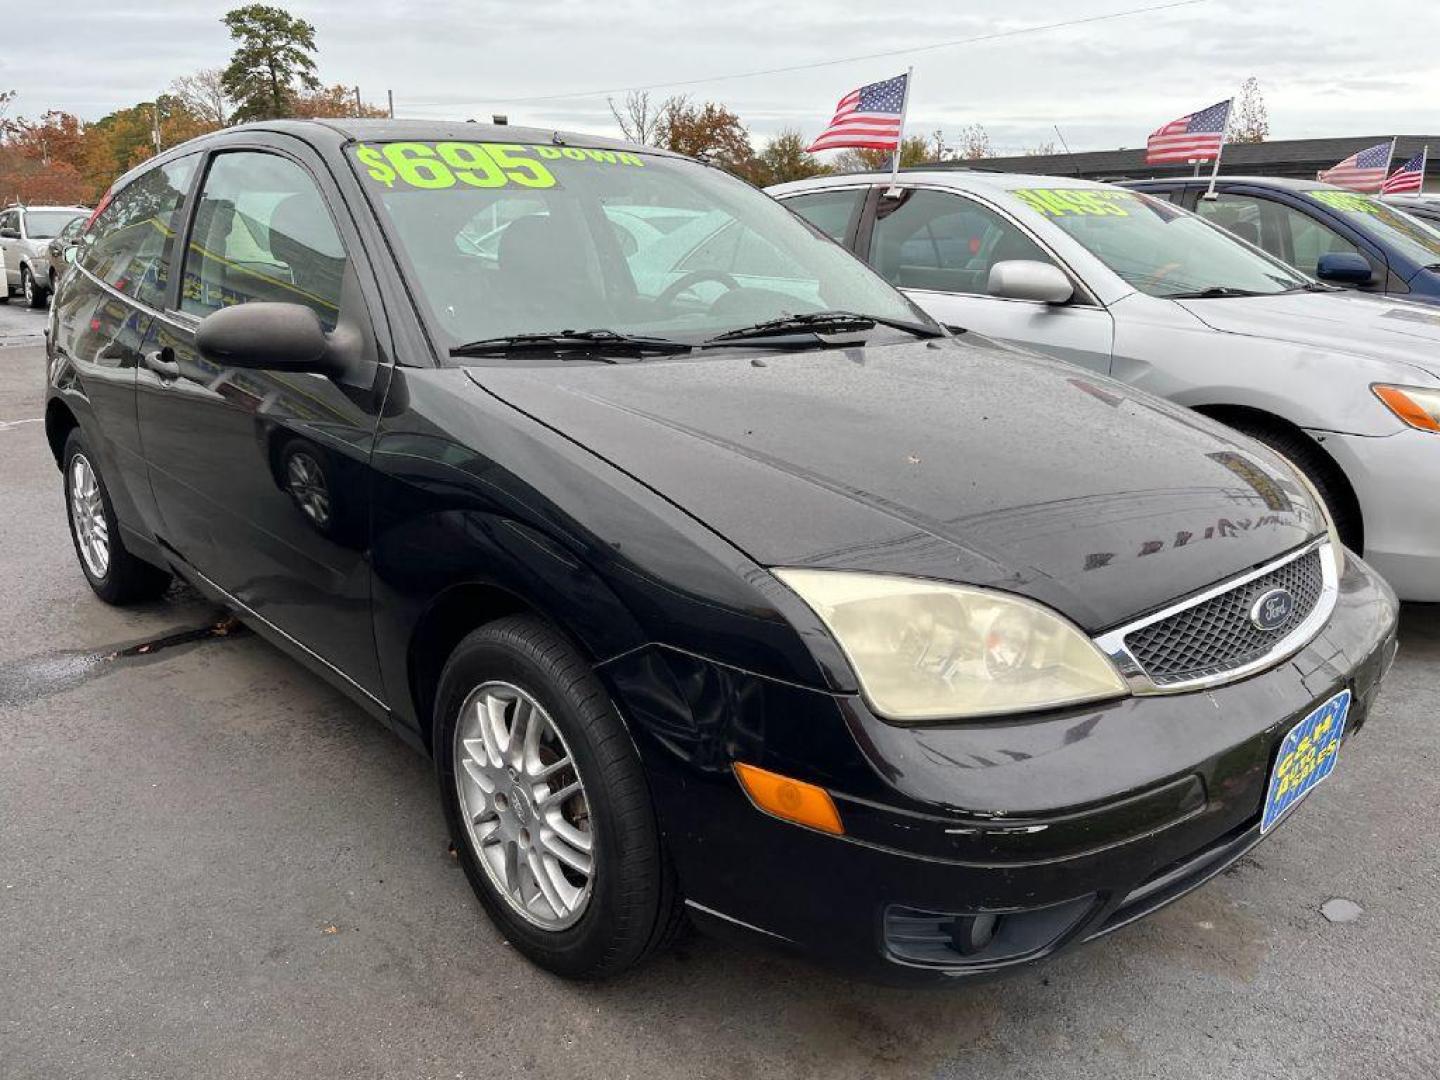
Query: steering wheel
[[690, 280]]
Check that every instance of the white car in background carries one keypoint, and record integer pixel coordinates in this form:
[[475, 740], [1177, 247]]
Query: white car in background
[[1346, 386], [25, 235]]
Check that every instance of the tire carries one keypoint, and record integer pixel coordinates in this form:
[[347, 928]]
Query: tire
[[1300, 451], [627, 905], [119, 578], [34, 293]]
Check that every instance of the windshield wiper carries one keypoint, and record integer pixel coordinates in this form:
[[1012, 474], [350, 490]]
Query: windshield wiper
[[1213, 292], [821, 322], [569, 340]]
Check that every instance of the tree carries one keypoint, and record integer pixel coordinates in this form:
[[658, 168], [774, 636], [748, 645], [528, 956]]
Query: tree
[[203, 94], [783, 159], [1045, 149], [1252, 122], [55, 137], [913, 151], [974, 143], [330, 102], [273, 54], [640, 119], [7, 98], [710, 131]]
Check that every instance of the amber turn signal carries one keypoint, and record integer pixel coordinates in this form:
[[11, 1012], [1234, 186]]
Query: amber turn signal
[[793, 800]]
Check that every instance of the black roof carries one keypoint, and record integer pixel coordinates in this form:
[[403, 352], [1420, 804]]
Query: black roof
[[1298, 158]]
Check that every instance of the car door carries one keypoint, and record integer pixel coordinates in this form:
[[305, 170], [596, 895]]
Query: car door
[[1290, 233], [262, 477], [939, 247], [9, 247]]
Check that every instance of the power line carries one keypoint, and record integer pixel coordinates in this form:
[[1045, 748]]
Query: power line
[[996, 36]]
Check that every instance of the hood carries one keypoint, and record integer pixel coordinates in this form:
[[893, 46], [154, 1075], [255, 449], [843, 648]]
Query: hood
[[1351, 322], [950, 460]]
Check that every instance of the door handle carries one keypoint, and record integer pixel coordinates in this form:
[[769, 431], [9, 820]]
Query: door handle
[[163, 363]]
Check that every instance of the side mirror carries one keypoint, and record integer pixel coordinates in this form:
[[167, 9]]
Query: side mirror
[[1029, 279], [267, 336], [1345, 268]]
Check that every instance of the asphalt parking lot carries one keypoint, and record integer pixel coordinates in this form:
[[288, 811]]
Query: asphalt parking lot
[[213, 865]]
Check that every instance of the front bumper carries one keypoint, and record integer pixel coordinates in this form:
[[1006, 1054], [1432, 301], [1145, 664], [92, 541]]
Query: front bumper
[[1074, 823], [1395, 477]]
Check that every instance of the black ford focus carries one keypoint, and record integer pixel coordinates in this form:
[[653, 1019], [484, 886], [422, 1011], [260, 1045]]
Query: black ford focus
[[717, 579]]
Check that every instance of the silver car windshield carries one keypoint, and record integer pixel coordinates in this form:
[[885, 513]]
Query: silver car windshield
[[47, 224], [1394, 228], [1156, 247], [513, 239]]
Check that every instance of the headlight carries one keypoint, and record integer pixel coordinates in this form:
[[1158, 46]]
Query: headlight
[[1414, 406], [925, 650]]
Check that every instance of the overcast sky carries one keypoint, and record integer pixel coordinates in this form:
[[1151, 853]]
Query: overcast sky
[[1327, 67]]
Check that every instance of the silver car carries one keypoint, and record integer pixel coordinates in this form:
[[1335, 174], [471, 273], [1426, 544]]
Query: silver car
[[1346, 386], [25, 235]]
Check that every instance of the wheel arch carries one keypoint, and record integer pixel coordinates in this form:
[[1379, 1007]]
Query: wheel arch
[[60, 420], [1246, 418]]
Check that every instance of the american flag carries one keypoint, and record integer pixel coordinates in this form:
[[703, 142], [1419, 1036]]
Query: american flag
[[1196, 137], [870, 117], [1409, 178], [1364, 171]]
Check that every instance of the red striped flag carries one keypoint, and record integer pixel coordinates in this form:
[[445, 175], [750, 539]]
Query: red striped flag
[[871, 117], [1409, 178], [1364, 170], [1195, 137]]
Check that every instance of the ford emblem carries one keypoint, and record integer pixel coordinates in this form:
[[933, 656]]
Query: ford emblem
[[1272, 609]]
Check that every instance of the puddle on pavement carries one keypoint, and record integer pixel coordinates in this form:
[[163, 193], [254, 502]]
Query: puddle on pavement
[[25, 681]]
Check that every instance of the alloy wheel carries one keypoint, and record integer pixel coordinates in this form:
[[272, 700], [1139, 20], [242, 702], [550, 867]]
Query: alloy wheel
[[524, 805], [87, 515], [306, 481]]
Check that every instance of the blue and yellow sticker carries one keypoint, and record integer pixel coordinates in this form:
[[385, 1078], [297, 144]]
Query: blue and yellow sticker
[[1306, 757], [437, 166]]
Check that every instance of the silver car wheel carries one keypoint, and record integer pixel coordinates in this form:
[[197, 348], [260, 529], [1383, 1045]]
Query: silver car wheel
[[87, 515], [307, 486], [524, 805]]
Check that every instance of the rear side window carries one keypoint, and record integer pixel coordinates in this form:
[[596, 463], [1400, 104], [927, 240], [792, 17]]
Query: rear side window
[[129, 244], [262, 232], [943, 242], [829, 211]]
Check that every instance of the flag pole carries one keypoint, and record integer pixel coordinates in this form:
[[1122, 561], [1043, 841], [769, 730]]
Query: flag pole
[[893, 191], [1224, 136], [1393, 140]]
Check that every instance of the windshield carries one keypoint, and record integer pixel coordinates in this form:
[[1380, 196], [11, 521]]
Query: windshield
[[1157, 247], [1391, 227], [46, 224], [507, 239]]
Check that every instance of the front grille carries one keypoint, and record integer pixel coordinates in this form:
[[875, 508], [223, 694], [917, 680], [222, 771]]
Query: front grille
[[1217, 635]]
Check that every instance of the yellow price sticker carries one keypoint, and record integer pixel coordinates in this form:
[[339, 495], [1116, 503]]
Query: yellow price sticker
[[1058, 202], [438, 166], [1347, 201]]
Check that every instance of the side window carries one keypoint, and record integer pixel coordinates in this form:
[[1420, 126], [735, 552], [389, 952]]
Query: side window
[[1242, 215], [129, 244], [1307, 239], [829, 211], [943, 242], [262, 232], [10, 223]]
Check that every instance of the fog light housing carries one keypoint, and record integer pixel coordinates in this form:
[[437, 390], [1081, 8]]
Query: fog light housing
[[957, 939]]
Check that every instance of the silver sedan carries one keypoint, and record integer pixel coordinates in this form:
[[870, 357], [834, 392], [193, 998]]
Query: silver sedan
[[1346, 386]]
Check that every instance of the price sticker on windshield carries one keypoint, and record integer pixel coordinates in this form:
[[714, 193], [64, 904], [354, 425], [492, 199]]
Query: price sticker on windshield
[[439, 166], [1078, 202], [1346, 201]]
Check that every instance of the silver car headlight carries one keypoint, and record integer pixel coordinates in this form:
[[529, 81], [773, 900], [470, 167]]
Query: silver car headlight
[[926, 650]]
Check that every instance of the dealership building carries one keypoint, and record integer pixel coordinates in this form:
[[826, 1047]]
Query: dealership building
[[1298, 158]]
